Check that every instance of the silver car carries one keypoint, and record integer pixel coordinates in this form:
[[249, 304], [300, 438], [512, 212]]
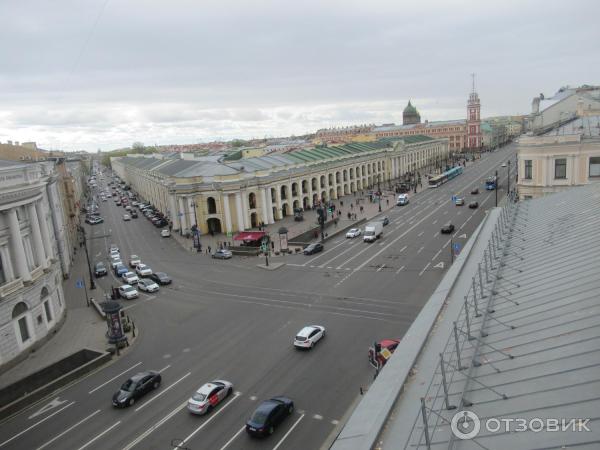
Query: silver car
[[145, 284], [208, 396]]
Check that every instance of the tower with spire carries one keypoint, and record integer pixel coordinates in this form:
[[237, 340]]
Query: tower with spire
[[473, 119], [410, 115]]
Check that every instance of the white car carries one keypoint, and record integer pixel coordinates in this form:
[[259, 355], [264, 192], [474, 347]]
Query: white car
[[128, 292], [134, 260], [308, 336], [143, 270], [114, 262], [126, 217], [165, 233], [353, 232], [146, 284], [209, 395], [130, 278]]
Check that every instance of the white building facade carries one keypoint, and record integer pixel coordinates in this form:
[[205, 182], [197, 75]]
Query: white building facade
[[31, 297], [232, 196]]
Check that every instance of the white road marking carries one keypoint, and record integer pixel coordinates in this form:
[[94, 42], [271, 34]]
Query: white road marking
[[167, 356], [98, 436], [58, 436], [437, 254], [439, 265], [400, 269], [420, 234], [381, 267], [288, 433], [253, 397], [35, 424], [420, 250], [113, 378], [435, 221], [310, 261], [162, 392], [335, 422], [446, 244], [318, 417], [424, 269], [154, 427], [53, 404], [164, 368], [436, 234], [233, 438], [402, 249]]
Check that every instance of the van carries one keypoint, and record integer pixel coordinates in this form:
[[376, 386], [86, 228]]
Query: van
[[373, 230], [402, 200]]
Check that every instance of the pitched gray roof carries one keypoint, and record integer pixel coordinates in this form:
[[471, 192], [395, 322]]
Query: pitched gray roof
[[531, 348]]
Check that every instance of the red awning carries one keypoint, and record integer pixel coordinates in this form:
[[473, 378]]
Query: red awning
[[249, 236]]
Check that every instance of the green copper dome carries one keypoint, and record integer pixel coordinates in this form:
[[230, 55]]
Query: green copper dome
[[410, 108]]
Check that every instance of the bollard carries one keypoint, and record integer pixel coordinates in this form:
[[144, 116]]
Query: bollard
[[132, 328]]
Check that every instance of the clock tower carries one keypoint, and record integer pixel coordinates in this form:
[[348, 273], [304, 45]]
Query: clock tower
[[473, 120]]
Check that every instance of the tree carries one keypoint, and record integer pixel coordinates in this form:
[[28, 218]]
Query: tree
[[138, 147]]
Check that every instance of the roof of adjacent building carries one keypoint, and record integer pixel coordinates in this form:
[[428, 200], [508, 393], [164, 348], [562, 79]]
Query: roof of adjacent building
[[531, 350], [587, 127]]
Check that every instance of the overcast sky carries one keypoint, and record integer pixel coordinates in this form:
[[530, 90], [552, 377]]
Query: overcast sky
[[102, 74]]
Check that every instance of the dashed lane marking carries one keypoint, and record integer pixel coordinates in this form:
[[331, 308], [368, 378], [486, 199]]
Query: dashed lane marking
[[58, 436], [424, 269], [163, 392], [288, 433], [420, 250], [318, 417], [400, 269], [437, 254], [114, 378]]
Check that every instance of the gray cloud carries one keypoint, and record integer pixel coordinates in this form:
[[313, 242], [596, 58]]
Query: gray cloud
[[186, 71]]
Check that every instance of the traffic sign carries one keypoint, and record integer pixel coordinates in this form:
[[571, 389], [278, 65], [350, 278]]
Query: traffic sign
[[79, 284], [456, 248], [453, 198]]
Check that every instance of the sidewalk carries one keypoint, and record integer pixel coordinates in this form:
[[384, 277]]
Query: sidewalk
[[83, 327]]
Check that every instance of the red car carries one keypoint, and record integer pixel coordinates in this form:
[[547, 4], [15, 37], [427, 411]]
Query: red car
[[375, 358]]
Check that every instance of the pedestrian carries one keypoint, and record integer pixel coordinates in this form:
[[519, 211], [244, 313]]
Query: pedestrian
[[335, 222], [351, 205], [361, 209], [387, 201], [199, 247], [209, 249], [341, 203], [349, 215]]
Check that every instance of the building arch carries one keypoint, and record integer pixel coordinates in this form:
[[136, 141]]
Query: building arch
[[253, 220], [211, 205], [322, 181], [332, 194], [338, 178], [296, 204], [305, 186], [339, 191], [345, 175], [214, 225], [305, 202], [22, 323], [285, 210], [313, 183], [346, 191], [284, 192], [252, 200], [315, 199], [294, 189], [44, 293]]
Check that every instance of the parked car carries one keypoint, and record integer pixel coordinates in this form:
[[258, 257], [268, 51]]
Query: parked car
[[160, 278], [118, 202], [120, 269], [136, 387], [353, 232], [447, 228], [208, 396], [503, 164], [115, 261], [126, 217], [128, 292], [143, 270], [459, 201], [308, 336], [130, 278], [313, 248], [100, 269], [268, 415], [148, 285], [134, 214], [473, 205], [165, 233], [93, 220], [222, 254], [113, 247], [376, 359], [475, 191], [134, 260]]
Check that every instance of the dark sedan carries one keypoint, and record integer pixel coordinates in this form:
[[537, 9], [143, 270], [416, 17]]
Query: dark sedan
[[100, 269], [313, 248], [160, 278], [447, 228], [473, 205], [268, 415], [384, 220], [475, 191], [136, 387]]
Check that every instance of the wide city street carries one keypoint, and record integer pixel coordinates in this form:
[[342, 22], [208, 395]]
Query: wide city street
[[232, 320]]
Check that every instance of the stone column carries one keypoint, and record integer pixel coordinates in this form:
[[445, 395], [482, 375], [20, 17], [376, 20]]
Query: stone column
[[7, 264], [227, 213], [265, 205], [246, 210], [239, 211], [43, 225], [270, 206], [40, 255], [174, 213], [17, 245], [182, 211], [278, 202]]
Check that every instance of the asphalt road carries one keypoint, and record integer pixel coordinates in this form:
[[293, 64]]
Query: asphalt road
[[235, 321]]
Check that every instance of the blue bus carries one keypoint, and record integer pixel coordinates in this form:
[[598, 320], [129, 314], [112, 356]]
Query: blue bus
[[446, 176], [491, 183]]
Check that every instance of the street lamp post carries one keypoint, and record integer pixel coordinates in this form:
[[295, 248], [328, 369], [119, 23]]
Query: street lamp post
[[508, 180], [87, 257], [196, 231], [496, 189]]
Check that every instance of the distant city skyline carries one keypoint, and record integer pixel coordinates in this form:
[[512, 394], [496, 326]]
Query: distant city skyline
[[102, 74]]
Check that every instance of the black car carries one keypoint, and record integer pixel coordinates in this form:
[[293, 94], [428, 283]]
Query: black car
[[384, 220], [134, 214], [475, 191], [447, 228], [313, 248], [161, 278], [473, 205], [136, 387], [100, 269], [268, 415]]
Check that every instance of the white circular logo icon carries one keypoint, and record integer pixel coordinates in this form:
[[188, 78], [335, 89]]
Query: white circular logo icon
[[465, 425]]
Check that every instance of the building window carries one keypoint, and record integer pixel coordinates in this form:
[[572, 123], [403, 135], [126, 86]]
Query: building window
[[560, 168], [48, 312], [2, 275], [20, 309], [528, 169], [594, 166]]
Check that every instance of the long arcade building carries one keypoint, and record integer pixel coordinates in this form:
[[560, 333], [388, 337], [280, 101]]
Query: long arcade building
[[230, 196]]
